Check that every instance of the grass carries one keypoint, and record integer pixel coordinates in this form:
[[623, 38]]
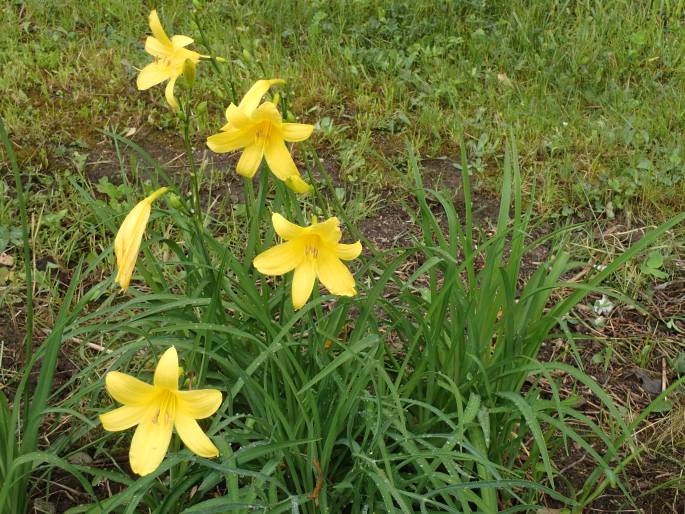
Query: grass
[[590, 91]]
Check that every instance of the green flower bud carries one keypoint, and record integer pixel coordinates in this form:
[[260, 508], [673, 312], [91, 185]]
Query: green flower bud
[[189, 72], [173, 201]]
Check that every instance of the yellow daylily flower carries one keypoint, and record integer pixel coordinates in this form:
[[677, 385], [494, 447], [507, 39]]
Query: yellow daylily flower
[[313, 251], [170, 57], [130, 235], [261, 132], [157, 409]]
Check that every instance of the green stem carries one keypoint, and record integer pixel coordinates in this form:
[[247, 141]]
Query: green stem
[[197, 206], [195, 185], [213, 61], [28, 263], [191, 159], [252, 221], [468, 233]]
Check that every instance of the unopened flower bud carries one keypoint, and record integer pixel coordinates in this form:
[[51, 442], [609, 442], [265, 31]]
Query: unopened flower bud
[[189, 72], [173, 201]]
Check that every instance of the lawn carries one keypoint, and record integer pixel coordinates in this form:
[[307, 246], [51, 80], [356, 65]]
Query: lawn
[[513, 335]]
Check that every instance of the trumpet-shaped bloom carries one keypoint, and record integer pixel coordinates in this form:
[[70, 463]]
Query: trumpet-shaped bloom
[[129, 237], [313, 251], [157, 409], [170, 56], [260, 131]]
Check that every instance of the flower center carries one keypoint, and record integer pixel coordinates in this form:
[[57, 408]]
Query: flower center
[[163, 61], [166, 411], [174, 61], [262, 131], [312, 244], [311, 251]]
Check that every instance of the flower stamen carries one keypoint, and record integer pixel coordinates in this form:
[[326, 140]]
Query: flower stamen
[[312, 251]]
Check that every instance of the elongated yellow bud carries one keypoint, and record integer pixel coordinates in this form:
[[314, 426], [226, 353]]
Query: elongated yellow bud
[[130, 235]]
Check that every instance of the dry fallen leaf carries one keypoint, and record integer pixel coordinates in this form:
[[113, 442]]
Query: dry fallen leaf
[[6, 259]]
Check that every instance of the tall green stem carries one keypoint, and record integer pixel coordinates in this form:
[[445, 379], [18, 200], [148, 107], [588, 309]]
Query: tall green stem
[[191, 160], [28, 263], [252, 221], [197, 205], [213, 60], [194, 180]]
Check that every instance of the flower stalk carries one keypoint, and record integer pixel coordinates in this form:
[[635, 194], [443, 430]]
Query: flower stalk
[[28, 262]]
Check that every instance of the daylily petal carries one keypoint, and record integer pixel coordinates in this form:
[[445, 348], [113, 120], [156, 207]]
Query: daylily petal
[[303, 282], [155, 47], [150, 444], [157, 30], [295, 183], [278, 158], [230, 140], [199, 403], [328, 231], [180, 55], [237, 118], [169, 93], [123, 417], [250, 159], [151, 75], [180, 41], [334, 275], [348, 251], [166, 372], [194, 438], [252, 98], [127, 389], [285, 229], [268, 112], [294, 132], [280, 259]]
